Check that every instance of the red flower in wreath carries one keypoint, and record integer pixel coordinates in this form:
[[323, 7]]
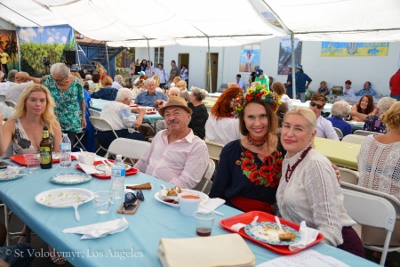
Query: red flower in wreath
[[248, 165], [248, 154]]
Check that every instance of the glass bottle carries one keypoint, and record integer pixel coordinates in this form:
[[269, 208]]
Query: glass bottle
[[46, 150]]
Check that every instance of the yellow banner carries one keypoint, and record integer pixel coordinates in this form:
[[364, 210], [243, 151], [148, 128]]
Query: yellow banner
[[339, 49]]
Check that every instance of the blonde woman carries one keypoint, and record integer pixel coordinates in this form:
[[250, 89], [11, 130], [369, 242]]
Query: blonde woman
[[182, 85], [24, 129]]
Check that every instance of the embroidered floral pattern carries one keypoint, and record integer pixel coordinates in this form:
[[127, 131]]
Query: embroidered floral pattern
[[268, 174]]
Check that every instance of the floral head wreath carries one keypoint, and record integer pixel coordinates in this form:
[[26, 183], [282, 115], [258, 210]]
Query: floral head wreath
[[252, 93]]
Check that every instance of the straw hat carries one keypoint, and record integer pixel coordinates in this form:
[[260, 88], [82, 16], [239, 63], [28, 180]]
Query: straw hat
[[175, 101]]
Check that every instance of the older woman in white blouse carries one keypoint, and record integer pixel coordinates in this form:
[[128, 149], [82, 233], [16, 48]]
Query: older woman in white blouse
[[308, 190]]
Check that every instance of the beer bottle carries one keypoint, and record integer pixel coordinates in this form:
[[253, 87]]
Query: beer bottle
[[45, 150]]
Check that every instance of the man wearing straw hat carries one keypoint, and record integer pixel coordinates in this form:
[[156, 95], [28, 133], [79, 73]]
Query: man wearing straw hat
[[176, 155]]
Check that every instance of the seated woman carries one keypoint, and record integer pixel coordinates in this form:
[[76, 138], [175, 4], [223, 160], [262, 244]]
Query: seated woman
[[363, 109], [250, 168], [118, 114], [157, 79], [106, 92], [373, 123], [222, 126], [24, 130], [323, 89], [182, 85], [348, 91], [378, 159], [200, 113], [279, 89], [340, 111], [308, 190]]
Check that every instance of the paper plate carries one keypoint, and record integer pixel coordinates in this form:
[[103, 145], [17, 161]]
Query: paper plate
[[267, 232], [204, 197], [70, 178], [64, 197], [4, 177], [102, 167]]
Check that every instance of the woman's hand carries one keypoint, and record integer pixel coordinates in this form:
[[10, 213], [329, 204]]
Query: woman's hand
[[337, 172], [83, 122]]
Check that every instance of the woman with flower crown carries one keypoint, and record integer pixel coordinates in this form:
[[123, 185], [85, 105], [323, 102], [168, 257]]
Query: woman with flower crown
[[250, 168], [308, 190]]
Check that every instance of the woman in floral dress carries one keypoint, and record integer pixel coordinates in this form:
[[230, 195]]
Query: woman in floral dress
[[250, 168], [67, 92]]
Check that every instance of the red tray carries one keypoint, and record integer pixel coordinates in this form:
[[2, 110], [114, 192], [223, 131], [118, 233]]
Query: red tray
[[21, 160], [131, 171], [248, 217], [150, 112]]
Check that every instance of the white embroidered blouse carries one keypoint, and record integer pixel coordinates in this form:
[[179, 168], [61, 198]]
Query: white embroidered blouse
[[313, 195], [379, 166]]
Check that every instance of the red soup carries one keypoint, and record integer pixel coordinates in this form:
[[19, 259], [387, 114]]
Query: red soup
[[190, 196]]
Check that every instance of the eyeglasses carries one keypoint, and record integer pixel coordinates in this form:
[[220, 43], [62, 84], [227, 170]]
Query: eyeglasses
[[131, 198], [313, 104], [60, 81]]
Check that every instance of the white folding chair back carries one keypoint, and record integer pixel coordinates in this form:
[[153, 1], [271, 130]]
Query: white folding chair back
[[365, 133], [214, 149], [206, 182], [338, 132], [349, 176], [10, 103], [127, 148], [94, 113], [380, 213], [100, 124], [352, 138]]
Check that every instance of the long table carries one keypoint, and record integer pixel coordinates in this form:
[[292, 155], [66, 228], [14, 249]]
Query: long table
[[98, 104], [338, 152], [137, 245]]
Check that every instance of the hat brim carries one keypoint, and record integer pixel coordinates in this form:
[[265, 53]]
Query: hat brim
[[162, 109]]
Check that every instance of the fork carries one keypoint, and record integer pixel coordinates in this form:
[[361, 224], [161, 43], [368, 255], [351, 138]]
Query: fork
[[280, 231]]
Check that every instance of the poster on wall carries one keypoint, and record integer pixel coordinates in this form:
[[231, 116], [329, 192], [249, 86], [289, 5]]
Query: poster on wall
[[285, 54], [41, 47], [9, 53], [342, 49], [249, 58]]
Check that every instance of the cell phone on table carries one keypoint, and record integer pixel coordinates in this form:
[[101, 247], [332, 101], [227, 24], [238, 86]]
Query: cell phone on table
[[131, 209], [4, 164]]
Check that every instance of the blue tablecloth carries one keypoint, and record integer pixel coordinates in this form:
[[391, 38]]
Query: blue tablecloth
[[98, 104], [137, 245]]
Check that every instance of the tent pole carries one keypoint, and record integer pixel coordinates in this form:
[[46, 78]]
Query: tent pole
[[148, 51], [209, 66], [293, 66], [108, 60]]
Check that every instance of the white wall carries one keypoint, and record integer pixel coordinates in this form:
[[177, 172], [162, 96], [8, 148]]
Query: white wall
[[334, 70]]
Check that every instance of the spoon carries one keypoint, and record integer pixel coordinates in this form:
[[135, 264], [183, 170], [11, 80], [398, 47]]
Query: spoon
[[77, 217], [279, 225], [163, 186], [254, 221]]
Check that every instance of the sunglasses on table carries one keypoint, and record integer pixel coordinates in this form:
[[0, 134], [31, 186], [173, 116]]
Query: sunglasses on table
[[131, 198], [313, 104]]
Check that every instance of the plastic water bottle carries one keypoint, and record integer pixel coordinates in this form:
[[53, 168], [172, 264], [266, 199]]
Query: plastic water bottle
[[118, 178], [65, 148]]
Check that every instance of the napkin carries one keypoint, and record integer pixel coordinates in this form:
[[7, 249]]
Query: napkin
[[10, 171], [221, 250], [88, 169], [99, 230], [308, 235], [211, 204]]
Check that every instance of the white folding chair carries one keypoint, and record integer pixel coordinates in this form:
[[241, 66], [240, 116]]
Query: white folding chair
[[352, 138], [365, 133], [349, 176], [214, 149], [94, 113], [206, 182], [338, 132], [10, 103], [127, 148], [380, 213], [102, 125], [78, 140]]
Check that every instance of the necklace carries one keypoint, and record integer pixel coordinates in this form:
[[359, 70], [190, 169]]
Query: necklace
[[290, 170], [256, 142]]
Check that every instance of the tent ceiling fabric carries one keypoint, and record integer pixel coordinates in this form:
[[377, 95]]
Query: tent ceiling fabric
[[340, 20], [225, 22]]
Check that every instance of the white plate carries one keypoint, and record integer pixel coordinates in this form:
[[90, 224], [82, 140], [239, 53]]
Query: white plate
[[204, 197], [7, 177], [70, 178], [102, 167], [64, 197]]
